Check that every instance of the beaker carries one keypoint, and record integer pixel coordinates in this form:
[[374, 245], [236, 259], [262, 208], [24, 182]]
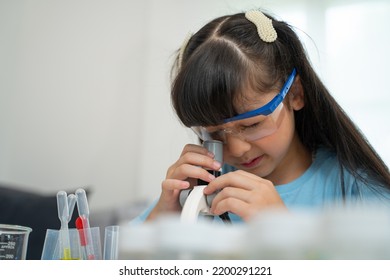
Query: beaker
[[13, 242]]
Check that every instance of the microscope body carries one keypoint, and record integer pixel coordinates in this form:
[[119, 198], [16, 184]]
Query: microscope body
[[194, 201]]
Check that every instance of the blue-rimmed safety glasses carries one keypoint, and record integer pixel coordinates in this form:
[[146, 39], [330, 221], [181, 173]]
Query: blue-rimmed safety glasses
[[251, 125]]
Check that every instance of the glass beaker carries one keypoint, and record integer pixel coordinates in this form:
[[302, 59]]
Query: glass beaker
[[13, 242]]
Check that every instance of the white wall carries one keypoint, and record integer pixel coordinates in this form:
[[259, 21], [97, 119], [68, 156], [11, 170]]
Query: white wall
[[84, 85], [72, 95]]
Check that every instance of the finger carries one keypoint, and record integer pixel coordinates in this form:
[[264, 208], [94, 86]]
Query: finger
[[231, 179], [236, 193], [170, 193], [238, 179], [206, 161], [185, 171], [261, 193], [192, 148], [236, 206], [179, 171], [249, 175], [174, 184]]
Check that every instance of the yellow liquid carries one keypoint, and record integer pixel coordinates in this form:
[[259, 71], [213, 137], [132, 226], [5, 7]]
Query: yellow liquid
[[67, 255]]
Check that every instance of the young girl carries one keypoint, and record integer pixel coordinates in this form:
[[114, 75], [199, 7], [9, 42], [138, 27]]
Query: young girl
[[245, 79]]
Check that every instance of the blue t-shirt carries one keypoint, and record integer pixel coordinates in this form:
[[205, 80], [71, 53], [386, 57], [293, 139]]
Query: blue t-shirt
[[320, 187]]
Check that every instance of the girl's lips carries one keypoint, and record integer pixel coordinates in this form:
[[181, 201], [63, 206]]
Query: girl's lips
[[252, 163]]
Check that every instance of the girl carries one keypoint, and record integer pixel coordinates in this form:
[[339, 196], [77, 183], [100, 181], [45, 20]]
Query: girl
[[245, 79]]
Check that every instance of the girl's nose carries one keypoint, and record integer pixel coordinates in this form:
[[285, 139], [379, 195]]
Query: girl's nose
[[236, 146]]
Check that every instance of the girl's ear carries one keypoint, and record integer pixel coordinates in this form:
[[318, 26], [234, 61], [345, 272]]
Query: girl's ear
[[297, 96]]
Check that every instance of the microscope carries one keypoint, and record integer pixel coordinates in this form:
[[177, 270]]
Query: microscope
[[193, 201]]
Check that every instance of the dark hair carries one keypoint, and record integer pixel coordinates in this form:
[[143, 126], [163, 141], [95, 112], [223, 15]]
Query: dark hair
[[227, 54]]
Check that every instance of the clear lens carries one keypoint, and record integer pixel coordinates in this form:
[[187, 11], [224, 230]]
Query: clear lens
[[250, 129]]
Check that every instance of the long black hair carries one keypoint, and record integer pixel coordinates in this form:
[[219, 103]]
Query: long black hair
[[227, 53]]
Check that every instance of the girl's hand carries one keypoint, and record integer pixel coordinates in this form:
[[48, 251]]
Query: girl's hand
[[183, 174], [243, 194]]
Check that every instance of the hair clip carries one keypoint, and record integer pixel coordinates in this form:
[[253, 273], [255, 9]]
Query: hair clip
[[264, 25], [183, 48]]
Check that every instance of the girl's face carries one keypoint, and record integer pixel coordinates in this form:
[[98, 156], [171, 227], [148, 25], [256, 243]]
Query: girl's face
[[277, 156]]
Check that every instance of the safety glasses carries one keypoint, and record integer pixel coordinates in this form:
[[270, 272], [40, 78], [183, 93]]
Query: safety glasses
[[251, 125]]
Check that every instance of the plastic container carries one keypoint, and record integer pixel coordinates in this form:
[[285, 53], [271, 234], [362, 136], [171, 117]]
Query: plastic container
[[356, 233], [51, 248], [282, 235], [111, 243]]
